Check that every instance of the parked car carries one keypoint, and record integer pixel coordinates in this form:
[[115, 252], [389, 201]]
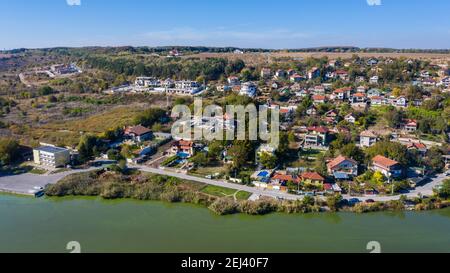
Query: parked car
[[370, 201], [354, 201]]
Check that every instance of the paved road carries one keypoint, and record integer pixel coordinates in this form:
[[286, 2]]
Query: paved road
[[25, 183]]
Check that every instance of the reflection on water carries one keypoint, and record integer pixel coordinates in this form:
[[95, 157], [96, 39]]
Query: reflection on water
[[144, 226]]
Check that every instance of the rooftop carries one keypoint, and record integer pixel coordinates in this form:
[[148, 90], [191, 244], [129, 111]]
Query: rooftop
[[51, 149]]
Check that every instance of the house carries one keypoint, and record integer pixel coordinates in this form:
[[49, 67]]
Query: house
[[138, 133], [184, 87], [51, 156], [311, 111], [312, 178], [361, 89], [248, 89], [264, 149], [350, 118], [377, 101], [388, 167], [280, 74], [291, 72], [367, 138], [319, 90], [360, 79], [183, 148], [446, 81], [342, 74], [372, 62], [265, 73], [374, 92], [358, 98], [296, 78], [317, 99], [342, 167], [342, 93], [233, 80], [313, 73], [401, 102], [418, 146], [374, 80], [316, 136], [410, 125]]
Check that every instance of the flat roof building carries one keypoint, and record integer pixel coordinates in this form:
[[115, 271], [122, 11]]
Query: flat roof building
[[51, 156]]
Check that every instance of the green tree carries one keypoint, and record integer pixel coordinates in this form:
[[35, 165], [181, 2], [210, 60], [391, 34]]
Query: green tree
[[200, 159], [86, 147], [150, 116], [8, 150], [444, 191], [269, 161], [215, 149]]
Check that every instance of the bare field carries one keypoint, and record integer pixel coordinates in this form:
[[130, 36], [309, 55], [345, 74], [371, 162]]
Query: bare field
[[259, 58]]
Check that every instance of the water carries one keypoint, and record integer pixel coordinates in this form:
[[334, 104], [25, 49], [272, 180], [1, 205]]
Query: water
[[47, 225]]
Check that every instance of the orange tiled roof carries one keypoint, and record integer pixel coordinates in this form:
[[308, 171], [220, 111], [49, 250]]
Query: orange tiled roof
[[384, 161]]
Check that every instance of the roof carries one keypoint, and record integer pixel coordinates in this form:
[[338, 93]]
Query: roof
[[318, 97], [384, 161], [327, 186], [338, 160], [362, 95], [312, 176], [368, 133], [319, 129], [138, 130], [417, 145], [51, 149], [283, 177], [343, 90], [186, 143]]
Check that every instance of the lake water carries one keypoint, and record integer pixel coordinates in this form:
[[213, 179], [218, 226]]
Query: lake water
[[47, 225]]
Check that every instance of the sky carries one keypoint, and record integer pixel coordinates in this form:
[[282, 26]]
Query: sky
[[273, 24]]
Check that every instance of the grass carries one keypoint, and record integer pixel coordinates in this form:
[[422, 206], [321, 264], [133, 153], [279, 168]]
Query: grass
[[38, 171], [222, 192], [218, 191], [68, 133], [243, 195]]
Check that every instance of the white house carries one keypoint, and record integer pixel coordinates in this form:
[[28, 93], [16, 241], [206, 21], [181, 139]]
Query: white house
[[51, 156]]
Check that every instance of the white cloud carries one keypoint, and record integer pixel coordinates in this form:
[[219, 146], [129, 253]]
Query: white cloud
[[374, 2], [73, 2]]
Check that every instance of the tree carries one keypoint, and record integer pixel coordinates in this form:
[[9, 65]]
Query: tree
[[444, 191], [215, 149], [283, 146], [378, 178], [8, 150], [269, 161], [86, 146], [45, 90], [334, 201], [393, 150], [200, 159], [150, 116], [240, 151], [352, 151]]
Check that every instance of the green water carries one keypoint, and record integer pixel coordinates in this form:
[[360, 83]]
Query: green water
[[46, 225]]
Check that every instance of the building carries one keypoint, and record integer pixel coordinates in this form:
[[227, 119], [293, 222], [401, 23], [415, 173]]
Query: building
[[296, 78], [280, 74], [147, 84], [318, 99], [266, 73], [138, 133], [312, 178], [183, 148], [233, 80], [367, 138], [184, 88], [350, 118], [410, 125], [388, 167], [316, 136], [374, 80], [343, 167], [248, 89], [313, 73], [342, 93], [51, 156]]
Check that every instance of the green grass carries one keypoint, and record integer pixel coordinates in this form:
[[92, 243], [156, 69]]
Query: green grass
[[38, 171], [243, 195], [222, 192], [218, 191]]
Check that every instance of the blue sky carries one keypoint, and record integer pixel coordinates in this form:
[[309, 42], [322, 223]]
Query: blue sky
[[241, 23]]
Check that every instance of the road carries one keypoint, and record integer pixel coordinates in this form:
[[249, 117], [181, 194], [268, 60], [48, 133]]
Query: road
[[426, 189], [26, 183]]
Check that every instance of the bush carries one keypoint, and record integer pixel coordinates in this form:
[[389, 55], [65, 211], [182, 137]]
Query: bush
[[223, 206]]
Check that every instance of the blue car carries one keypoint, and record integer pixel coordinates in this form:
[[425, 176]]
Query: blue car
[[354, 201]]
